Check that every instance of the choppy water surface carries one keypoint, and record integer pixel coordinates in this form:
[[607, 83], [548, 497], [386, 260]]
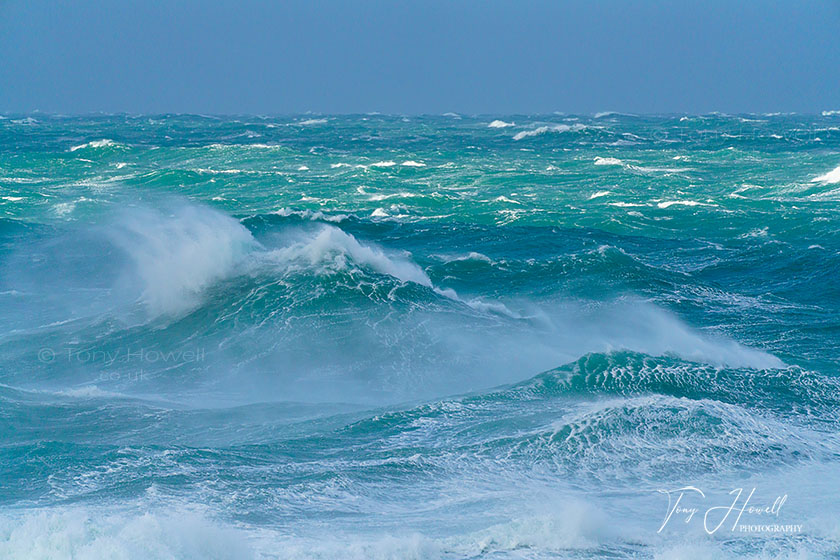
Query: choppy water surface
[[429, 337]]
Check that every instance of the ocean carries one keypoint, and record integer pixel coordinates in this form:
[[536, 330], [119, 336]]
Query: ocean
[[411, 337]]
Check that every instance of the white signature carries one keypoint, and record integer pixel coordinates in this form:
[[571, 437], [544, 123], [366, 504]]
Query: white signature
[[714, 517]]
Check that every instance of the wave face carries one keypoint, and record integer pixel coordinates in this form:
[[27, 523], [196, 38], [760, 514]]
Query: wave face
[[391, 337]]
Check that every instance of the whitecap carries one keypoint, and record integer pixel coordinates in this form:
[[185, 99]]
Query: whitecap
[[500, 124], [311, 215], [330, 247], [105, 142], [262, 146], [506, 199], [206, 171], [380, 197], [558, 128], [758, 232], [599, 194], [608, 161], [831, 177], [310, 122], [471, 256], [669, 203]]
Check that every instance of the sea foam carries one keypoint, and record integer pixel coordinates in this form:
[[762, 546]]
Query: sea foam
[[831, 177], [608, 161], [500, 124], [558, 128], [331, 247], [78, 534], [104, 143]]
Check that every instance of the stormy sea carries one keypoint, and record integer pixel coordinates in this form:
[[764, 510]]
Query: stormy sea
[[392, 337]]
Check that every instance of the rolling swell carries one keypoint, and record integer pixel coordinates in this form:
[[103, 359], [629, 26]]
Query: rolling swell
[[194, 277]]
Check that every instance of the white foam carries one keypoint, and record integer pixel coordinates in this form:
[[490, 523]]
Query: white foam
[[669, 203], [757, 232], [644, 169], [830, 113], [76, 534], [255, 146], [692, 551], [331, 247], [62, 209], [506, 199], [94, 144], [310, 122], [577, 525], [558, 128], [500, 124], [303, 168], [380, 197], [412, 163], [608, 161], [88, 391], [218, 171], [471, 256], [220, 146], [311, 215], [387, 163], [829, 178], [486, 306], [599, 194]]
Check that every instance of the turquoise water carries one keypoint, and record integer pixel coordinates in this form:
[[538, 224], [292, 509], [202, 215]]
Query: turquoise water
[[418, 337]]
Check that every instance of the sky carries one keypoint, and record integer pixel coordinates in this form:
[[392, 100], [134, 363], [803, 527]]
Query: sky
[[467, 56]]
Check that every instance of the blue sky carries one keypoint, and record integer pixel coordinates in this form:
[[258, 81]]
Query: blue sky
[[419, 57]]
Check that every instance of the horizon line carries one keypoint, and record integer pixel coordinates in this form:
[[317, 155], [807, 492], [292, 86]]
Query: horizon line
[[451, 114]]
